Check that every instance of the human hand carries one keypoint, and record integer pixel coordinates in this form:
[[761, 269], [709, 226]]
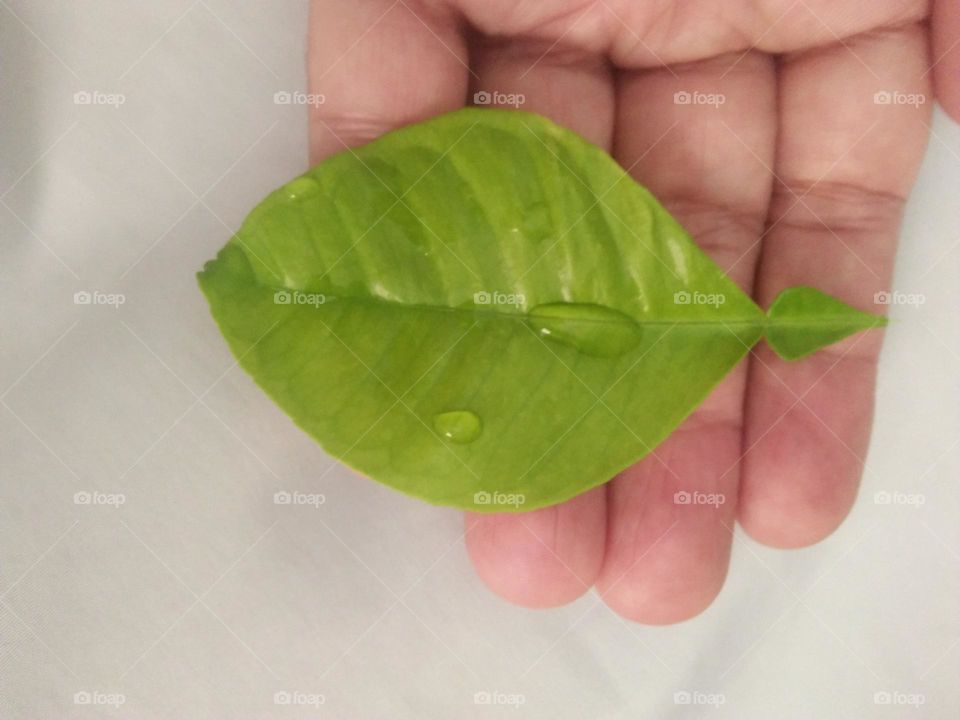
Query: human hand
[[785, 137]]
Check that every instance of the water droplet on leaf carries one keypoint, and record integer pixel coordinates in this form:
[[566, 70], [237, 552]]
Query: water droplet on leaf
[[459, 426], [300, 188], [592, 329]]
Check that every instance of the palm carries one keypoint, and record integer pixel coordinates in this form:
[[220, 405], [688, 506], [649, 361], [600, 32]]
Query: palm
[[797, 177]]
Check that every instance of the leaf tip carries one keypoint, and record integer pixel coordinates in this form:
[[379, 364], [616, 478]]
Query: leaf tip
[[802, 320]]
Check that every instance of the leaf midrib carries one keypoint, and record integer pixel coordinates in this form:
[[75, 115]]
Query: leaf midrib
[[761, 321]]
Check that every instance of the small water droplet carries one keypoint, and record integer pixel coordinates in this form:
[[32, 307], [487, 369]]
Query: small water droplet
[[592, 329], [459, 426], [301, 187]]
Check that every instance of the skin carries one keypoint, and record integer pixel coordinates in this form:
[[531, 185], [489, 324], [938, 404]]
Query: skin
[[799, 177]]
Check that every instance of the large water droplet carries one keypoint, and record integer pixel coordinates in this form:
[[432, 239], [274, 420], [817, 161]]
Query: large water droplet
[[459, 426], [592, 329], [301, 187]]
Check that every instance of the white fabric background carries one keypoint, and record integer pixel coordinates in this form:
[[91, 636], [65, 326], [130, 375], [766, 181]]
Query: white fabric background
[[201, 598]]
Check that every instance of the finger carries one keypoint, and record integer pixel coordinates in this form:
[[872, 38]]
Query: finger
[[652, 34], [570, 86], [946, 55], [542, 558], [379, 65], [850, 143], [551, 556], [666, 559]]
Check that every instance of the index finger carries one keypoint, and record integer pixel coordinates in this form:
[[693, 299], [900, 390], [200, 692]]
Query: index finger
[[377, 66], [945, 27]]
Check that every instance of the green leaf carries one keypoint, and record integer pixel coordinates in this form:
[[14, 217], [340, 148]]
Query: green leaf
[[485, 311], [802, 320]]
